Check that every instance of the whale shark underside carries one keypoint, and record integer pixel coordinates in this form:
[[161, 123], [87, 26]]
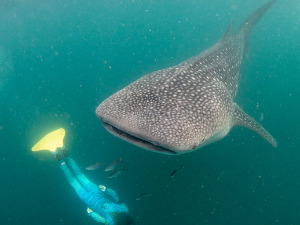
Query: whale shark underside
[[187, 106]]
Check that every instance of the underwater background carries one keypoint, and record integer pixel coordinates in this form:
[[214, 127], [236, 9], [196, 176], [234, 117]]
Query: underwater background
[[60, 59]]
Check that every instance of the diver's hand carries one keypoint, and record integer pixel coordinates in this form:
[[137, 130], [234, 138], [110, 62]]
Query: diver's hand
[[89, 210], [102, 187]]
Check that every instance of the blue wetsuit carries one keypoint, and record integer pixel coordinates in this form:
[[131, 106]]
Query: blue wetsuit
[[104, 204]]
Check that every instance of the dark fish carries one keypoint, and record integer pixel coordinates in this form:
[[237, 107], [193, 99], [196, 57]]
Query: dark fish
[[175, 171], [94, 166], [113, 165], [142, 195], [115, 173]]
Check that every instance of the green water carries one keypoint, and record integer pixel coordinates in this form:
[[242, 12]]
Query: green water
[[60, 59]]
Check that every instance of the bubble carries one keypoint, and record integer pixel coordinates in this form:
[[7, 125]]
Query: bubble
[[6, 68]]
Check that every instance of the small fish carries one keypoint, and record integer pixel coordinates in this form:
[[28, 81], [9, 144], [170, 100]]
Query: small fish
[[175, 171], [113, 165], [94, 166], [220, 175], [142, 195], [261, 118], [116, 173]]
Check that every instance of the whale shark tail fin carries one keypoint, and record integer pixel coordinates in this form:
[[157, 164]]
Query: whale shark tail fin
[[251, 20], [242, 119], [51, 141]]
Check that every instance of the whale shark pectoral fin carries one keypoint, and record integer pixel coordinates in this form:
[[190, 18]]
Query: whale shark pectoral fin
[[242, 119]]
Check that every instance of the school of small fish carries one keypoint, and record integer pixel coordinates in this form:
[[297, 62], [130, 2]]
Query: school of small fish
[[116, 172], [110, 168]]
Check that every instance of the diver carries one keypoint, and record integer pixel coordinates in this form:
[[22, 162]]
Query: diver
[[102, 202]]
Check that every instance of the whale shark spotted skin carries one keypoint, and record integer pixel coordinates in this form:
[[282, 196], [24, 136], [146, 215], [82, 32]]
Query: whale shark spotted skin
[[187, 106]]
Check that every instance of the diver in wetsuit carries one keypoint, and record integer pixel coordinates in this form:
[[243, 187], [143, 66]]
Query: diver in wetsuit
[[102, 203]]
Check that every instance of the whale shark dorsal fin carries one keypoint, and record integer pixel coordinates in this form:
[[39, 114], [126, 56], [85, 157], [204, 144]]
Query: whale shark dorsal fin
[[51, 141], [242, 119], [227, 32]]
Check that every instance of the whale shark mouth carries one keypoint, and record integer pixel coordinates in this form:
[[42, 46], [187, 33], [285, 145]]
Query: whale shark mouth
[[135, 140]]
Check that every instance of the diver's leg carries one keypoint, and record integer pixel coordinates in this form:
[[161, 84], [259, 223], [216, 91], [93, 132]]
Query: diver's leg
[[80, 176], [80, 190], [71, 178]]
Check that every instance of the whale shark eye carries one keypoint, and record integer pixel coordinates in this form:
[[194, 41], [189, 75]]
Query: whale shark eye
[[194, 146]]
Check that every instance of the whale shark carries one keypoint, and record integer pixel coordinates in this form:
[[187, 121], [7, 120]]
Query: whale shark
[[189, 105]]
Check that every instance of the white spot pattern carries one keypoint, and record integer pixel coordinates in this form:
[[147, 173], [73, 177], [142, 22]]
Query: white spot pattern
[[180, 107]]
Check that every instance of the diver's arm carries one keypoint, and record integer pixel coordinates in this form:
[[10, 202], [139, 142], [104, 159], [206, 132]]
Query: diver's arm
[[110, 192], [113, 194], [96, 216]]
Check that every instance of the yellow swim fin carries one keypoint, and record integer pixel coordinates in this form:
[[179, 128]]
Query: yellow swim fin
[[51, 141]]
